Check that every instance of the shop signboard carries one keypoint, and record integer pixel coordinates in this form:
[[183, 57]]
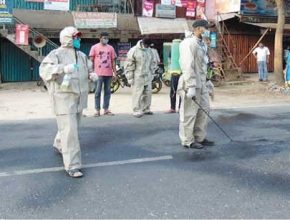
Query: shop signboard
[[165, 11], [262, 7], [6, 16], [59, 5], [191, 8], [86, 20]]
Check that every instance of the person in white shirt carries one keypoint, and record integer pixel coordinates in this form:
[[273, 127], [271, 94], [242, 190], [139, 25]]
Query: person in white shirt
[[262, 54]]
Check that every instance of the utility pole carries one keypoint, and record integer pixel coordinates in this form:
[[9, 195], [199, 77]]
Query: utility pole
[[278, 59]]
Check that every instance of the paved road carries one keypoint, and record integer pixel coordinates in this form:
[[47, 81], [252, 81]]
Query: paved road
[[248, 178]]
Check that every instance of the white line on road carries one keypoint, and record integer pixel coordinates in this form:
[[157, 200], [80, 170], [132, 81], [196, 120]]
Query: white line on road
[[103, 164]]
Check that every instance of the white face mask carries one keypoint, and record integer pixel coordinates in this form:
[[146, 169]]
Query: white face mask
[[206, 33], [104, 41]]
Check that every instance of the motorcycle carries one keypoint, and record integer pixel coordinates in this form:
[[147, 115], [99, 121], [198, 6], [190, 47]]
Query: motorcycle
[[157, 79], [121, 80]]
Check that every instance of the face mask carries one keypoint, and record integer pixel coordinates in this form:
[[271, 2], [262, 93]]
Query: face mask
[[206, 34], [77, 43], [104, 41]]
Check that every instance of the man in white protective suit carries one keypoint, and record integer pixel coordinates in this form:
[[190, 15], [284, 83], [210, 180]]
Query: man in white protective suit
[[65, 71], [192, 89], [138, 70]]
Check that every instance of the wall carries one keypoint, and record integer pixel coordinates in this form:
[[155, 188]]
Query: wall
[[244, 44]]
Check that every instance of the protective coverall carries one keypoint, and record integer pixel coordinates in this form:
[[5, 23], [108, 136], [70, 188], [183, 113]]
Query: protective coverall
[[156, 58], [193, 63], [138, 70], [68, 103]]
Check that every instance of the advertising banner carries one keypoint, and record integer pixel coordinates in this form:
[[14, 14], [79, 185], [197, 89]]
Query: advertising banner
[[200, 9], [148, 8], [123, 49], [213, 39], [87, 20], [6, 16], [262, 7], [60, 5], [165, 11], [22, 34], [228, 6], [191, 8]]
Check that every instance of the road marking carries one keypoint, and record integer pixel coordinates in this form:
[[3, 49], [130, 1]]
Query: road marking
[[250, 106], [92, 165]]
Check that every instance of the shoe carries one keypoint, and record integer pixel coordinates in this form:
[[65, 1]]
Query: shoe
[[260, 80], [148, 113], [194, 146], [57, 150], [138, 115], [97, 114], [75, 173], [109, 113], [206, 142], [170, 111]]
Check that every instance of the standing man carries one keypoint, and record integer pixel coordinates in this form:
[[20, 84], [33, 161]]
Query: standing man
[[138, 70], [103, 57], [65, 71], [192, 89], [262, 55]]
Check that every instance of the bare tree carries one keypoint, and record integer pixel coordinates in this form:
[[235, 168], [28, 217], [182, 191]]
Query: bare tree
[[278, 59]]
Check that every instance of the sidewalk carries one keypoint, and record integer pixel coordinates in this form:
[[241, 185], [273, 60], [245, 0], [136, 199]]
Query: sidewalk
[[22, 101]]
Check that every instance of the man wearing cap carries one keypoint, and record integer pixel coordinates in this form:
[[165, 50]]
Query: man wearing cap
[[192, 88], [103, 57], [138, 70], [65, 71]]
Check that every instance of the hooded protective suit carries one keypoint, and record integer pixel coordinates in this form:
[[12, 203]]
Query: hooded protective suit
[[138, 70], [193, 63], [70, 66]]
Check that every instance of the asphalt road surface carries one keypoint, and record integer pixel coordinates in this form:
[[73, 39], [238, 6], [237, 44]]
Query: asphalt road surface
[[136, 168]]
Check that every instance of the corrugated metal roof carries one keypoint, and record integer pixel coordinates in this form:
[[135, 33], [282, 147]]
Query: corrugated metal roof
[[268, 25]]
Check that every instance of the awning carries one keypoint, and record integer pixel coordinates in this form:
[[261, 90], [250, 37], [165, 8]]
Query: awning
[[268, 25], [226, 16], [150, 25], [44, 19]]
